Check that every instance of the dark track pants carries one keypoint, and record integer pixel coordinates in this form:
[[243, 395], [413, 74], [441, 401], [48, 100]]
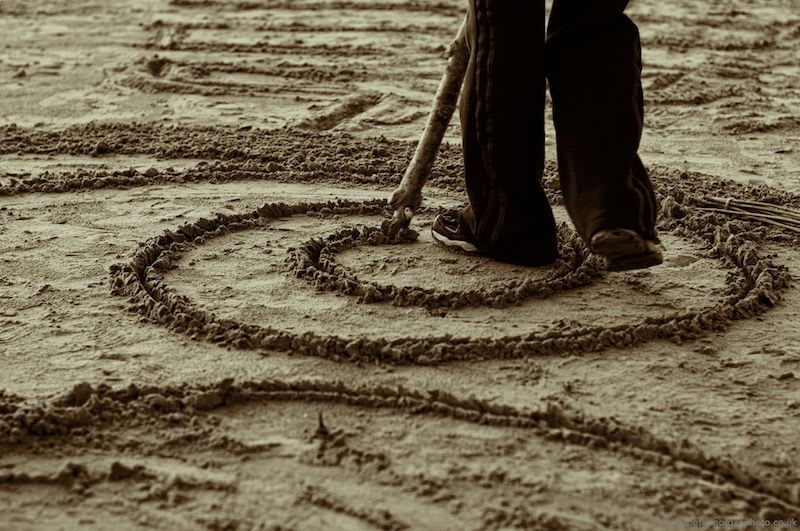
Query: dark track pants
[[592, 58]]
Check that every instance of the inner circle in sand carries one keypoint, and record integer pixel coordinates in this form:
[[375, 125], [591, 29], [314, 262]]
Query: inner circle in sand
[[754, 287], [315, 261]]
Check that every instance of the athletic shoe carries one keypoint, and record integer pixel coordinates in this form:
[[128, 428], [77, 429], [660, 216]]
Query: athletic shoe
[[447, 232], [626, 249]]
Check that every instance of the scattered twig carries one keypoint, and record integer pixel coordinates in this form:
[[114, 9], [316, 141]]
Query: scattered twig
[[777, 215]]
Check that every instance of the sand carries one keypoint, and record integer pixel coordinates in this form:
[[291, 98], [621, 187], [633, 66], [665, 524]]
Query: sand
[[203, 326]]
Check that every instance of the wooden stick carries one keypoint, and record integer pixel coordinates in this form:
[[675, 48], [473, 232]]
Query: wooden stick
[[408, 196]]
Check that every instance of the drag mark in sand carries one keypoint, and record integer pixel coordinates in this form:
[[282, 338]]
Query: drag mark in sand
[[314, 260], [86, 409]]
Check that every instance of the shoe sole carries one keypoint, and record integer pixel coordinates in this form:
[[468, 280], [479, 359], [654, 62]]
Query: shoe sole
[[454, 245], [625, 250]]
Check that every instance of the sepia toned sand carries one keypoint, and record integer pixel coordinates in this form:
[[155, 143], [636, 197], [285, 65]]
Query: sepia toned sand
[[202, 326]]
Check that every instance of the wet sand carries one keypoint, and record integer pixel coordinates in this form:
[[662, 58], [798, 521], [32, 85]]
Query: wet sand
[[201, 325]]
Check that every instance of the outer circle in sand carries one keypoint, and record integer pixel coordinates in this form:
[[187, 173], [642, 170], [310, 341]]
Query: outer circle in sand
[[758, 287]]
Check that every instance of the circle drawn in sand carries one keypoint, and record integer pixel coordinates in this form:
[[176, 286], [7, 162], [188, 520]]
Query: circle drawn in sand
[[315, 261], [754, 288]]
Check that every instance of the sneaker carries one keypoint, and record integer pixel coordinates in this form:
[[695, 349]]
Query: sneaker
[[447, 232], [626, 249]]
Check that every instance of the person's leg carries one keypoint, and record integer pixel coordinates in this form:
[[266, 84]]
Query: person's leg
[[502, 119], [594, 68]]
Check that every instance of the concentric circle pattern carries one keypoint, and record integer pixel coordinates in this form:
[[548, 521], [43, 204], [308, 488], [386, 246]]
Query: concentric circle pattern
[[757, 287]]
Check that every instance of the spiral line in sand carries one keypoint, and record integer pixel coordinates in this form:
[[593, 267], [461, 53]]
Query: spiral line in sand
[[757, 287]]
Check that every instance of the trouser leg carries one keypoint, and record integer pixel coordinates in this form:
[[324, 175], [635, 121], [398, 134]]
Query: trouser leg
[[594, 66], [502, 118]]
